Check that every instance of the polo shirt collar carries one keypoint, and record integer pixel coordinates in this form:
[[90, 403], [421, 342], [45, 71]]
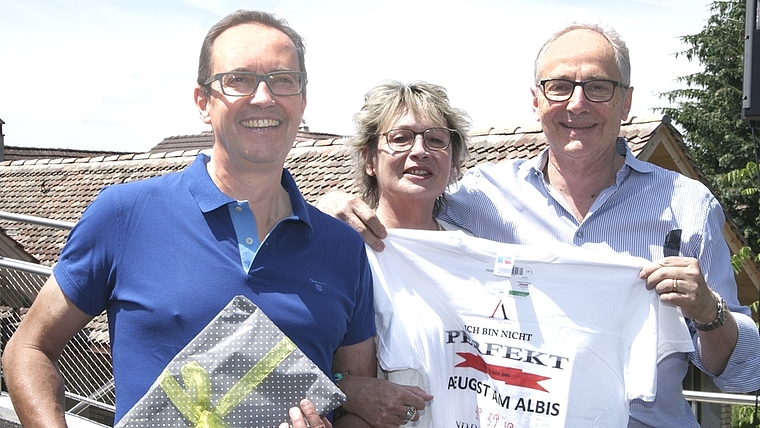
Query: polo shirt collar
[[296, 199], [209, 197], [202, 187]]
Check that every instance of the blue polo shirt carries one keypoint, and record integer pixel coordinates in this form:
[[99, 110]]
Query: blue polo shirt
[[162, 257]]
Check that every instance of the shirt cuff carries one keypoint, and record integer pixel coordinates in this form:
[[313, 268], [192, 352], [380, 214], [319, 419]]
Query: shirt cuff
[[742, 373]]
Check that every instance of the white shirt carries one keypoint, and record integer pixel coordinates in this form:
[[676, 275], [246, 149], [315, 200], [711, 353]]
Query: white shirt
[[548, 337]]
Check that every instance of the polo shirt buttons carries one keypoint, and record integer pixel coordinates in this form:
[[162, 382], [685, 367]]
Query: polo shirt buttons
[[579, 234], [249, 241], [238, 209]]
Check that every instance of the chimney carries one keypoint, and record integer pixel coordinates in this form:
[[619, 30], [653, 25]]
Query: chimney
[[2, 141]]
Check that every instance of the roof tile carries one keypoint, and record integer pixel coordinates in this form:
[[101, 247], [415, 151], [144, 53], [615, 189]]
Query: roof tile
[[61, 188]]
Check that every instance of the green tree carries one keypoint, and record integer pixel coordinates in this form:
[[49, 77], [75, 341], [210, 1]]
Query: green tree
[[709, 110], [743, 417]]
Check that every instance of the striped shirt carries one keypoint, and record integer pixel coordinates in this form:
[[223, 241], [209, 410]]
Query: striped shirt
[[511, 202]]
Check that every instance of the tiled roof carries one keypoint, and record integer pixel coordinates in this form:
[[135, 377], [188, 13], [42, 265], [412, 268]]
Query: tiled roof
[[12, 153], [205, 140], [185, 142], [60, 189]]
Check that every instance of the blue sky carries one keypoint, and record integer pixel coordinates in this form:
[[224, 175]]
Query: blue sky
[[119, 75]]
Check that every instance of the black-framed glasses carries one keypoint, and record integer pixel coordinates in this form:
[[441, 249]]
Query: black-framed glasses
[[244, 83], [595, 90], [402, 140]]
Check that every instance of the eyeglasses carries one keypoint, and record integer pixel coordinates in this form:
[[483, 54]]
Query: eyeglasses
[[595, 90], [402, 140], [244, 83]]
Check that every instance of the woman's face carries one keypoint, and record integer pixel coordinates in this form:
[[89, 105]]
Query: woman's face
[[417, 176]]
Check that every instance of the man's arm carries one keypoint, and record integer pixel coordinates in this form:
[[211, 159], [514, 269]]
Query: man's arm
[[377, 402], [357, 214], [679, 281], [30, 360]]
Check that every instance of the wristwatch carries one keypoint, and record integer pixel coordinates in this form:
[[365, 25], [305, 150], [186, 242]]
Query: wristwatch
[[718, 321]]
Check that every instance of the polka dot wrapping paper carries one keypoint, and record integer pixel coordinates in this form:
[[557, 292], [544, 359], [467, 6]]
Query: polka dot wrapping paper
[[240, 371]]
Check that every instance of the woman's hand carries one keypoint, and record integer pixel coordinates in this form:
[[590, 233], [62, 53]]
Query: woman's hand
[[381, 403]]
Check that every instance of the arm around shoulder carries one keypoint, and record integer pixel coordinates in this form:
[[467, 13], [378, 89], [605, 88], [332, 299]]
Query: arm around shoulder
[[357, 214], [30, 359]]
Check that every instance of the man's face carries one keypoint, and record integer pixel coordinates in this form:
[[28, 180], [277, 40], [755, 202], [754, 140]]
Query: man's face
[[261, 128], [579, 128]]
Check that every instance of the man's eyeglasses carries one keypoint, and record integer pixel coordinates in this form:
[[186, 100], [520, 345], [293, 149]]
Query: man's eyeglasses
[[595, 90], [244, 83], [402, 140]]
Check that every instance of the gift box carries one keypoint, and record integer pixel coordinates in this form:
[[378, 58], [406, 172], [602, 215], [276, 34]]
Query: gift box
[[240, 371]]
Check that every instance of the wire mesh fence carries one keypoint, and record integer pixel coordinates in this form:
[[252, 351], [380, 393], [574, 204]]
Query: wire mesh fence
[[86, 361]]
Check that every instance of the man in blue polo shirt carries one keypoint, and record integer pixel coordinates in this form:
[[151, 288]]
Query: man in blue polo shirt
[[164, 256]]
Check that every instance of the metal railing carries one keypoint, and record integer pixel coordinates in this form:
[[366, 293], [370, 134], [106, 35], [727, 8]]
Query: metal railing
[[23, 218], [720, 398], [86, 362]]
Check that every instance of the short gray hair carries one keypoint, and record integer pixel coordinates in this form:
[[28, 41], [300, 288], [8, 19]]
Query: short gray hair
[[622, 57]]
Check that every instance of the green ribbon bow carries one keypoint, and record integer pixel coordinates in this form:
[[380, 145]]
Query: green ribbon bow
[[194, 402]]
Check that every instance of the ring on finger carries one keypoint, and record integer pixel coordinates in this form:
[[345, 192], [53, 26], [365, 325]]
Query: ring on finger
[[675, 285], [410, 412]]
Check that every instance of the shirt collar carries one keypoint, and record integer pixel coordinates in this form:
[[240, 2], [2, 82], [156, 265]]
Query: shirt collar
[[538, 164], [631, 161], [208, 196], [202, 187]]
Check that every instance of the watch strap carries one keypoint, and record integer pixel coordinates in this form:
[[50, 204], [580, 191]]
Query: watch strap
[[719, 320]]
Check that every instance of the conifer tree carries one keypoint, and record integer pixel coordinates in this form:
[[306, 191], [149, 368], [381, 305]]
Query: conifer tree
[[709, 110]]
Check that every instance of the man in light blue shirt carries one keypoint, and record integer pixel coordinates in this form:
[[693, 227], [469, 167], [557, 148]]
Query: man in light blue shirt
[[587, 189]]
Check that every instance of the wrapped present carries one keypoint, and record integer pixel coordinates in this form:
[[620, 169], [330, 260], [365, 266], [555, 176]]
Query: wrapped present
[[240, 371]]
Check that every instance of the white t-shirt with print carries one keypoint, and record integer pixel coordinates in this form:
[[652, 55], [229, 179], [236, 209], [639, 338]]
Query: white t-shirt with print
[[518, 336]]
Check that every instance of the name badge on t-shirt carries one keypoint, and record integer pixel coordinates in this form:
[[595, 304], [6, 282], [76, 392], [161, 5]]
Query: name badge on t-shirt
[[520, 278]]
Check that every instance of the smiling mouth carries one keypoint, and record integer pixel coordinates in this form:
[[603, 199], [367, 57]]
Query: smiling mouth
[[576, 126], [260, 123], [418, 172]]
